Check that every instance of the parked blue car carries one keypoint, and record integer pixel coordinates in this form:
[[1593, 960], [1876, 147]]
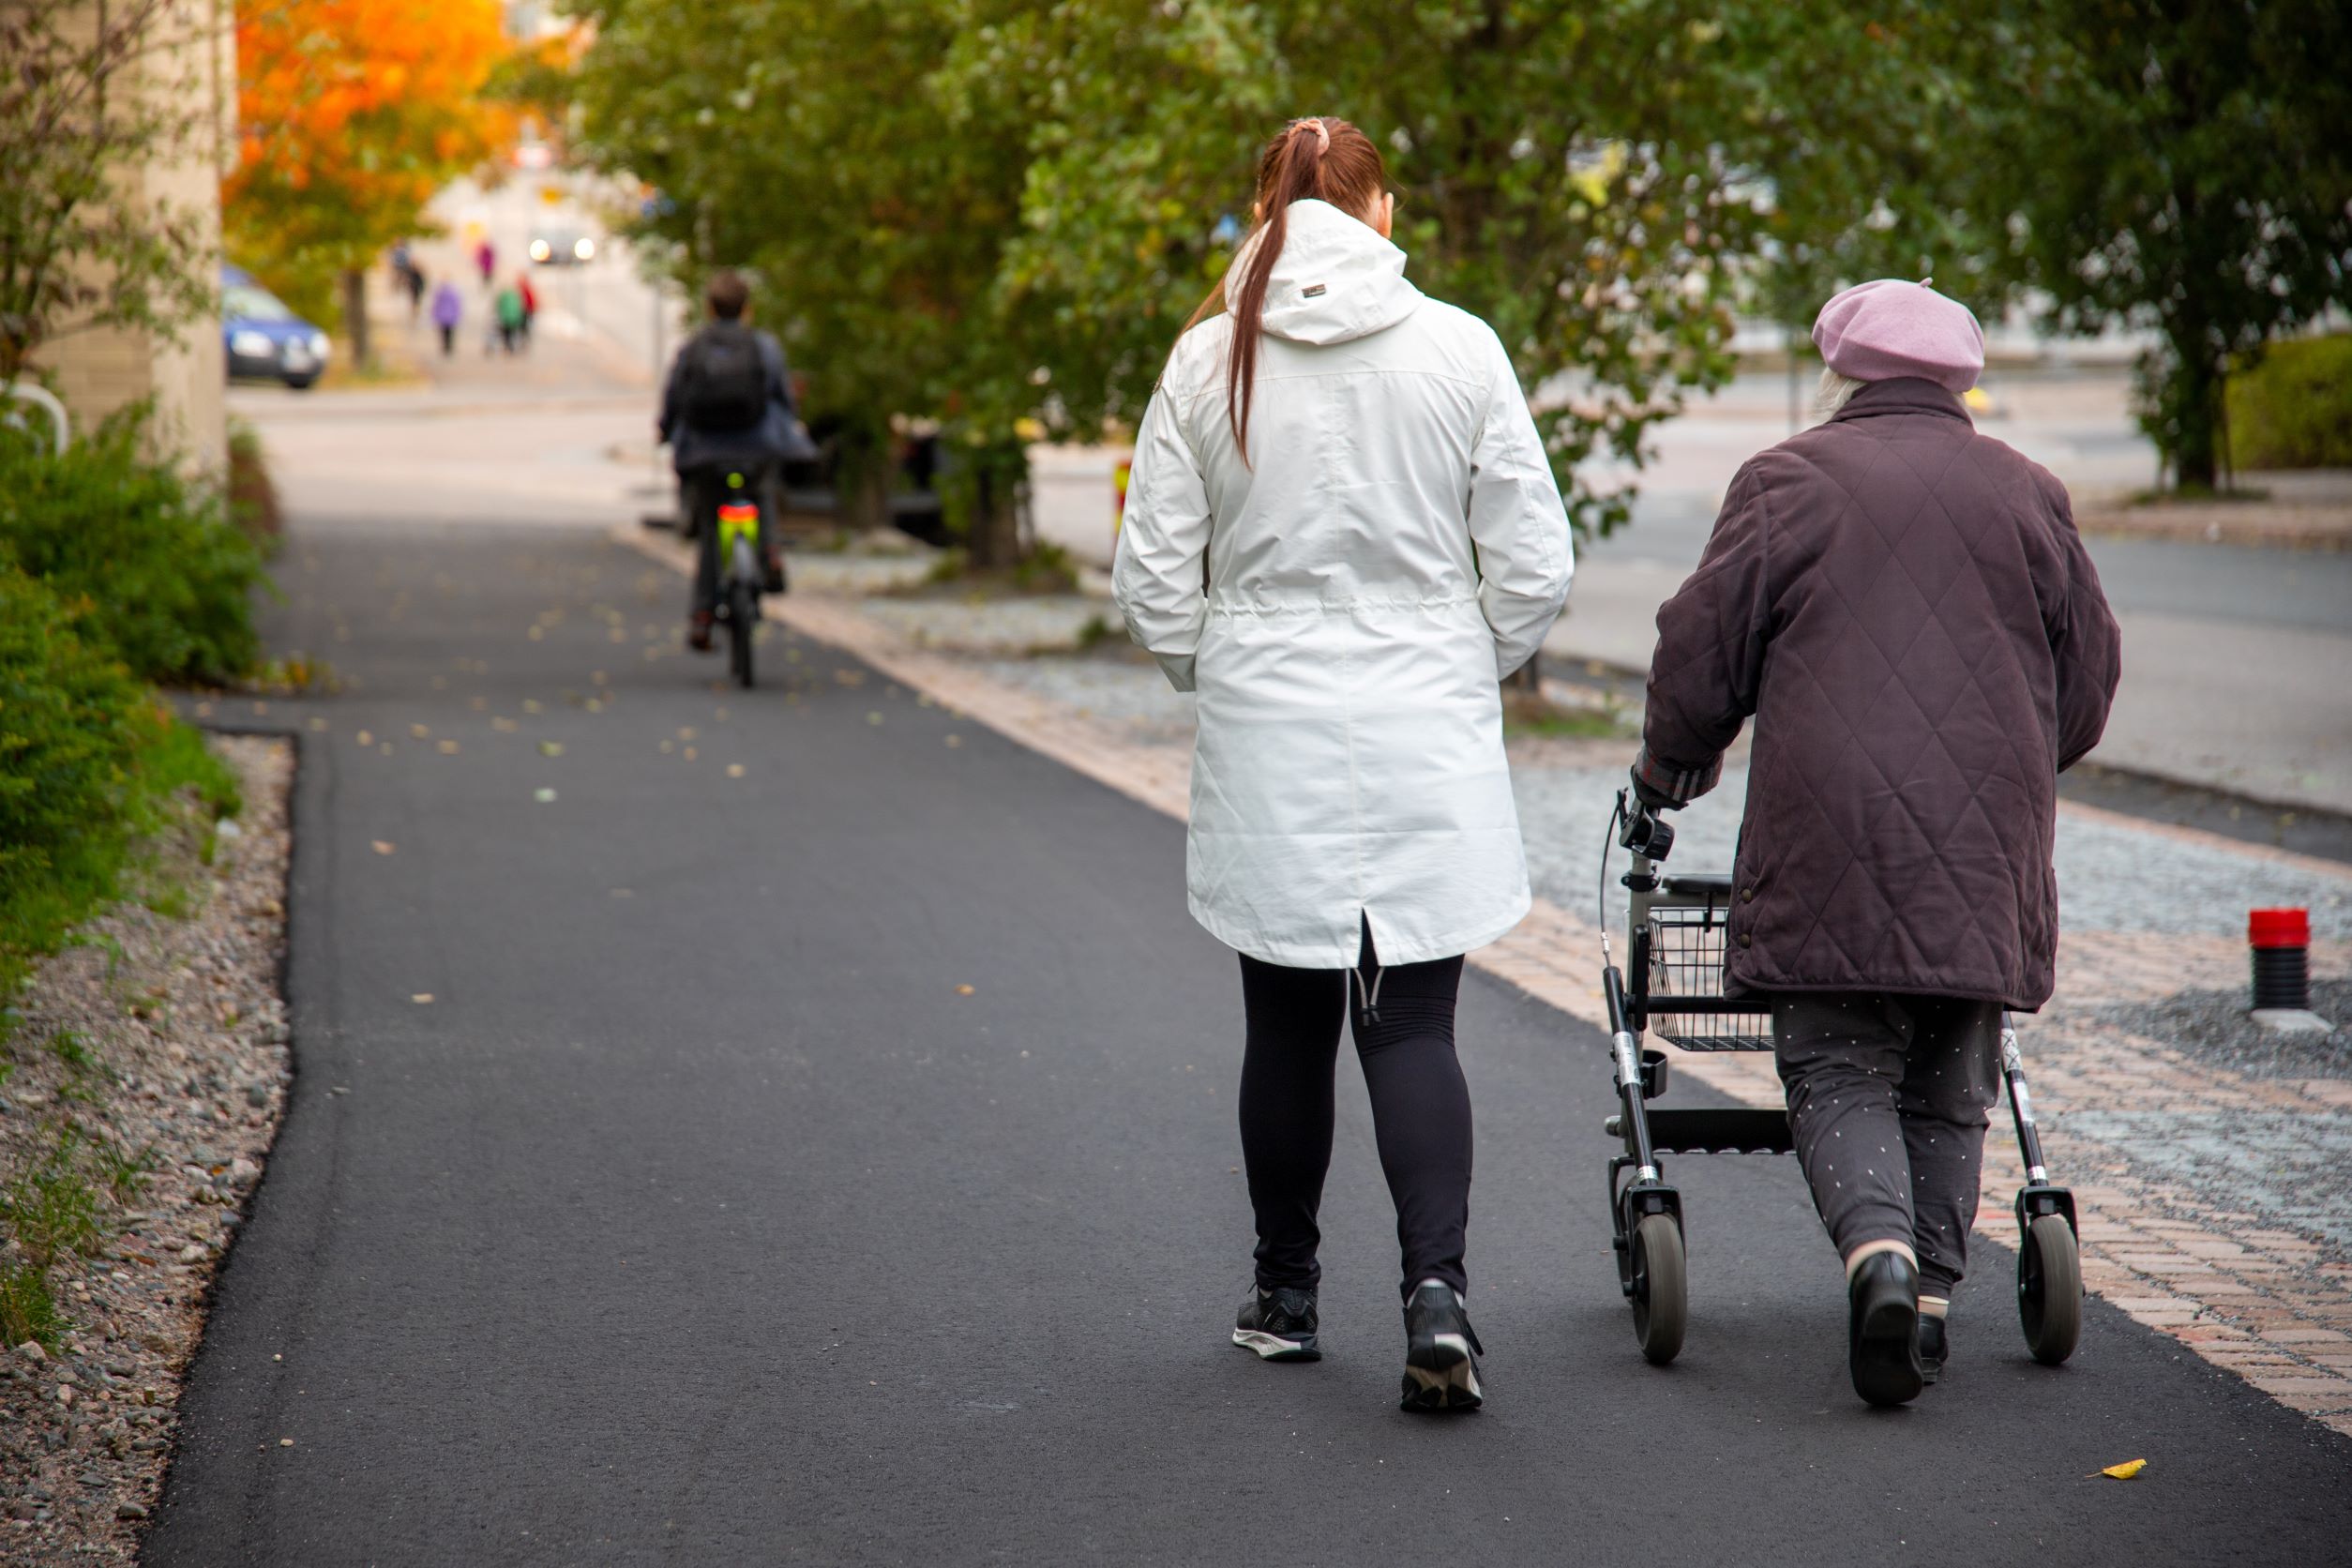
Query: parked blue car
[[265, 340]]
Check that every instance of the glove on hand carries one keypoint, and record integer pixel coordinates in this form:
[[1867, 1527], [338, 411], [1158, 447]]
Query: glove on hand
[[1652, 796]]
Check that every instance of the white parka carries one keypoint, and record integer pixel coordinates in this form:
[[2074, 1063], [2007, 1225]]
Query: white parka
[[1345, 605]]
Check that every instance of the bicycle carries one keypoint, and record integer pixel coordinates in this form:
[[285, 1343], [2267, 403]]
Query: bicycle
[[741, 575]]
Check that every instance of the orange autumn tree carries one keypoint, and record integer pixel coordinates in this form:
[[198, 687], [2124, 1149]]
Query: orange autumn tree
[[352, 113]]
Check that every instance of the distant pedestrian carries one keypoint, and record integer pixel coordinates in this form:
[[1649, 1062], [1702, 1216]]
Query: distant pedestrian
[[1350, 471], [530, 304], [415, 282], [1906, 608], [486, 259], [448, 308], [510, 317]]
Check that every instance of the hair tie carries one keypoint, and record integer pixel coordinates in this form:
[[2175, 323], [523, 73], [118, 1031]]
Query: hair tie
[[1322, 133]]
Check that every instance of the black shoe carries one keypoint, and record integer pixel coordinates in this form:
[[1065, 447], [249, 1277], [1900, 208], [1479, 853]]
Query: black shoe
[[1932, 1348], [772, 573], [1278, 1324], [1441, 1351], [1882, 1330]]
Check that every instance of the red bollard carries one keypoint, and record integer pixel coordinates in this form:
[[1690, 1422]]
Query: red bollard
[[2280, 939]]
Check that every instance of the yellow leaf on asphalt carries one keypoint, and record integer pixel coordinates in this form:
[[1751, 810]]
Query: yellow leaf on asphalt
[[964, 990], [550, 749], [873, 719], [690, 754], [381, 848], [449, 748], [418, 731], [2125, 1471], [955, 739], [734, 770], [421, 997], [367, 739]]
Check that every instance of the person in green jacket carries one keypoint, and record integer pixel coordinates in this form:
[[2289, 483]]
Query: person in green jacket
[[509, 316]]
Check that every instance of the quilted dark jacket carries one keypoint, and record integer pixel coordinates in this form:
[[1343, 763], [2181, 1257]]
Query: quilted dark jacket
[[1906, 611]]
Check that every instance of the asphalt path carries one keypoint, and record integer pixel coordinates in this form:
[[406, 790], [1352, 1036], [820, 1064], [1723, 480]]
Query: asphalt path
[[701, 1217]]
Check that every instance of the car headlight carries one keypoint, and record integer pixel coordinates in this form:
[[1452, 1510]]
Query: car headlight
[[583, 248], [319, 345], [540, 250], [246, 343]]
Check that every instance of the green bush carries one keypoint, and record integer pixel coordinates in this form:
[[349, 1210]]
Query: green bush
[[73, 727], [88, 763], [2295, 409], [146, 561]]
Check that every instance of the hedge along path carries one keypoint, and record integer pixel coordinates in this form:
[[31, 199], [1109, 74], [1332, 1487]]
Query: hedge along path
[[2263, 1302]]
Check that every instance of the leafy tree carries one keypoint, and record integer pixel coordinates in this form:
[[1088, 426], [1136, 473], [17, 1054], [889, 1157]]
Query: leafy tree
[[2185, 164], [353, 113], [82, 245], [805, 140]]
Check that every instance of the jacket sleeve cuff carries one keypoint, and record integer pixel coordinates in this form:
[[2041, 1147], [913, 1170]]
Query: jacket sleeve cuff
[[1682, 785]]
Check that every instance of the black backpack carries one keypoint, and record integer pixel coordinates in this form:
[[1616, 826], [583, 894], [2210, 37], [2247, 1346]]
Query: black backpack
[[726, 380]]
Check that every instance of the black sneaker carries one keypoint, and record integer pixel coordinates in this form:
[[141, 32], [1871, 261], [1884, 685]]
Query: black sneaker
[[1441, 1351], [1882, 1351], [1278, 1324], [1933, 1348]]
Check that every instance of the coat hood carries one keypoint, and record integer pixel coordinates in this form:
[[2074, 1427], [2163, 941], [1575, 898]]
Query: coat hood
[[1335, 280]]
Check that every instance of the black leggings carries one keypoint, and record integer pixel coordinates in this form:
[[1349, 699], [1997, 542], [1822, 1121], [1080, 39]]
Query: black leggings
[[1421, 1111]]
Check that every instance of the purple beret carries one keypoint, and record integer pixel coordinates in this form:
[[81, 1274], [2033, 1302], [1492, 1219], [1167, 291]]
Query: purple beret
[[1888, 328]]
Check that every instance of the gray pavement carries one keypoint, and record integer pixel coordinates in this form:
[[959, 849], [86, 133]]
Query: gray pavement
[[699, 1216]]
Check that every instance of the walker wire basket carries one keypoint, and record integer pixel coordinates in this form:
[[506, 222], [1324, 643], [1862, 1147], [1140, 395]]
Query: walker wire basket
[[1680, 960]]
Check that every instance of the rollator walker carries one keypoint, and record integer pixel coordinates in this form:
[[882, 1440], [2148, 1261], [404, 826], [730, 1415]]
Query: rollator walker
[[1674, 933]]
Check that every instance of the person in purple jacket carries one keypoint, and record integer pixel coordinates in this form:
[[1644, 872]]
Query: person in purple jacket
[[1905, 609], [448, 308]]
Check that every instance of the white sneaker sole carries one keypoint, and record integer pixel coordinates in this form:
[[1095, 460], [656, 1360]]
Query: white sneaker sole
[[1445, 1378], [1273, 1347]]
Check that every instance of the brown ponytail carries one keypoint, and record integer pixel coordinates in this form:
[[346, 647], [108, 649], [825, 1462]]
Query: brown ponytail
[[1325, 159]]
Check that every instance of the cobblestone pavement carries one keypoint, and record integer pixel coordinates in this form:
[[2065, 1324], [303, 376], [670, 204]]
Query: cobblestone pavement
[[2215, 1206]]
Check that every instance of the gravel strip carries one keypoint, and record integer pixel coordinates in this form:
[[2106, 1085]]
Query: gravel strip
[[2212, 1026], [184, 1040]]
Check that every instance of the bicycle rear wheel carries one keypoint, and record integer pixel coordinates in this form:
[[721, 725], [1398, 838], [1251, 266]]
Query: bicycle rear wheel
[[743, 617]]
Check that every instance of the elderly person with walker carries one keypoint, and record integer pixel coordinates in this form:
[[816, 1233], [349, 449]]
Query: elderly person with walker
[[1341, 531], [1905, 608]]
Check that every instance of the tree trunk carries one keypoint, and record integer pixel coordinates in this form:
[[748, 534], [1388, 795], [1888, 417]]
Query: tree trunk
[[992, 536], [2196, 395], [355, 317]]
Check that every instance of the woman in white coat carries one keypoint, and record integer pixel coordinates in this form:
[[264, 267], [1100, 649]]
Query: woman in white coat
[[1341, 531]]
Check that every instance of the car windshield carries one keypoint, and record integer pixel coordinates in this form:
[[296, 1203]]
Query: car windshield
[[243, 302]]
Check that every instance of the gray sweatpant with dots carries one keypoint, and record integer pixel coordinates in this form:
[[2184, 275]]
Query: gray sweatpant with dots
[[1889, 1097]]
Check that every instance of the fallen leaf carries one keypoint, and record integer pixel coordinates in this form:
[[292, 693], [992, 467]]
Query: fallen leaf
[[285, 1442], [734, 770], [505, 726], [550, 749], [447, 748], [2125, 1471], [955, 739], [421, 997], [873, 719], [367, 739], [385, 748], [964, 990], [318, 724], [543, 796], [532, 705], [418, 731], [690, 754], [381, 847]]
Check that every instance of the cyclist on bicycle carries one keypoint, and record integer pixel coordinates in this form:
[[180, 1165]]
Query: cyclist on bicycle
[[727, 413]]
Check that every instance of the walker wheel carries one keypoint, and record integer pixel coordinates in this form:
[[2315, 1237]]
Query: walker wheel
[[1661, 1287], [2050, 1289]]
